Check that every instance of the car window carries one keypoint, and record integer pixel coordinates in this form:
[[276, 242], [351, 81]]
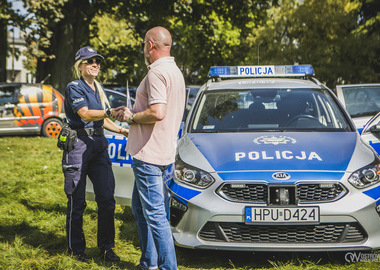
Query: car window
[[362, 100], [116, 99], [31, 93], [7, 94], [268, 109], [193, 92]]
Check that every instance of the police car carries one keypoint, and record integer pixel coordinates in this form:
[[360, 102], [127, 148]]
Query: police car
[[270, 160], [121, 161]]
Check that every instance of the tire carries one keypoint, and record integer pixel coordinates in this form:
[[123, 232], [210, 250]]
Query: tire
[[51, 127]]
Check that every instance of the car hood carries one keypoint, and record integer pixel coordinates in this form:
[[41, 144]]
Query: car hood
[[301, 155]]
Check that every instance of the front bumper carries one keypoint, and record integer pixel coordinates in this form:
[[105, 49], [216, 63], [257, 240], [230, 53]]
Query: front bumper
[[211, 222]]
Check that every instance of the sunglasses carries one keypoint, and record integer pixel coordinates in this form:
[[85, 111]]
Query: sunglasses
[[143, 45], [91, 61]]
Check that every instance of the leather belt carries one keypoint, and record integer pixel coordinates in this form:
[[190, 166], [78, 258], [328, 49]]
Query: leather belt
[[90, 132]]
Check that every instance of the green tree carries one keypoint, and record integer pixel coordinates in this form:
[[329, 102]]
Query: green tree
[[329, 34], [340, 38], [59, 29], [367, 35], [205, 33], [214, 33], [118, 41]]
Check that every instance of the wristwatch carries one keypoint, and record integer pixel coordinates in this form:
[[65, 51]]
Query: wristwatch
[[131, 118], [108, 112]]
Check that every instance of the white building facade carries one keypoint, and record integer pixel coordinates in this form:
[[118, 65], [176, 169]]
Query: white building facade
[[16, 72]]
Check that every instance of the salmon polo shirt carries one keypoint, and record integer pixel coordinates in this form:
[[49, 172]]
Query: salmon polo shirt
[[156, 143]]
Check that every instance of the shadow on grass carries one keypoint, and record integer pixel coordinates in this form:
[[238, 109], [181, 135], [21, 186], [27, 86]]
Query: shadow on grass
[[47, 207], [93, 253], [50, 207], [128, 229], [211, 259], [54, 245], [33, 236]]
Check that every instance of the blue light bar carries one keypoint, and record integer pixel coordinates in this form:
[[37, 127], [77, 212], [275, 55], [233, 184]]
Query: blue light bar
[[261, 71]]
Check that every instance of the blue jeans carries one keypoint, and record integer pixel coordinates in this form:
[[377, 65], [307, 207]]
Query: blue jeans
[[153, 227]]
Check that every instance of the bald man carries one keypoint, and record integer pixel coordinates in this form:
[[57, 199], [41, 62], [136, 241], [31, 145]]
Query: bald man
[[154, 124]]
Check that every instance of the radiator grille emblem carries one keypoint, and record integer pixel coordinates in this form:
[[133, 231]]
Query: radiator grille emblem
[[281, 176], [275, 140]]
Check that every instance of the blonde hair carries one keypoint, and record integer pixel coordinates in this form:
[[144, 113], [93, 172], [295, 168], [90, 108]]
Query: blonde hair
[[102, 95]]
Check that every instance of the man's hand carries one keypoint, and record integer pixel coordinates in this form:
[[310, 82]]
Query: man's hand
[[115, 111], [122, 114]]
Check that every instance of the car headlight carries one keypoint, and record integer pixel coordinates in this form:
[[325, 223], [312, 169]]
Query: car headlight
[[366, 176], [189, 175]]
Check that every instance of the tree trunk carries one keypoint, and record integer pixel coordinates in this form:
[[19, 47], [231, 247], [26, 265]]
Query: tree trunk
[[69, 35], [3, 50]]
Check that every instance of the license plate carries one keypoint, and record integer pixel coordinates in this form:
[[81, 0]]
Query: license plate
[[281, 215]]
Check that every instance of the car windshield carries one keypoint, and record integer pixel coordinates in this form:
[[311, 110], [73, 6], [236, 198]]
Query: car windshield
[[362, 100], [268, 109]]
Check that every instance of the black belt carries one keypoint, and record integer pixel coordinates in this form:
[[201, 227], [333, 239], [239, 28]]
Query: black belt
[[90, 132]]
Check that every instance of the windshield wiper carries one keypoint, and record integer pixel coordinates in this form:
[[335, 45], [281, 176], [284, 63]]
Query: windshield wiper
[[206, 131], [364, 114]]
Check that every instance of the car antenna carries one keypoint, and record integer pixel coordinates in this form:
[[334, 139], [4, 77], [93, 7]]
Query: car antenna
[[129, 103], [44, 80]]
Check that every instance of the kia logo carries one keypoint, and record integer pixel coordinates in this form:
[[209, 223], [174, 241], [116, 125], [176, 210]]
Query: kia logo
[[281, 176]]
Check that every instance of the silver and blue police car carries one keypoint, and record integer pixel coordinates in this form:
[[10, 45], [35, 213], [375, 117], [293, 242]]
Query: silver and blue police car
[[270, 160]]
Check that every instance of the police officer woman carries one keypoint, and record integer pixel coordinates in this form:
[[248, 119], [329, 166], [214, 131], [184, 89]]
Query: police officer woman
[[87, 110]]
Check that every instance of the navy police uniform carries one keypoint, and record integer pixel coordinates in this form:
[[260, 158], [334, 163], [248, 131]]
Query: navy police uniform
[[88, 158]]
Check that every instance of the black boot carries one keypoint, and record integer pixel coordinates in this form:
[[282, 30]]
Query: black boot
[[78, 256], [109, 255]]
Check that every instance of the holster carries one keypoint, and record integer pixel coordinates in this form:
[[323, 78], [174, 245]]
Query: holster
[[66, 139]]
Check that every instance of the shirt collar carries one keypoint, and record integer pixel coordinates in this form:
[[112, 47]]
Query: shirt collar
[[87, 87], [166, 59]]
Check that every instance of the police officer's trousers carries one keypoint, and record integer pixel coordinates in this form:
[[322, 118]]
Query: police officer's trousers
[[89, 158]]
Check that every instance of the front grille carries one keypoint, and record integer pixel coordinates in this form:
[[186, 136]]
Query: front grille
[[322, 233], [258, 193], [319, 193]]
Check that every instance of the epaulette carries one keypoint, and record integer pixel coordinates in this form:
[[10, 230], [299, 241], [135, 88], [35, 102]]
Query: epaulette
[[74, 82]]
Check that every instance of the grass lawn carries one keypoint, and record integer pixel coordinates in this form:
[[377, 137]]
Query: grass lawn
[[32, 223]]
